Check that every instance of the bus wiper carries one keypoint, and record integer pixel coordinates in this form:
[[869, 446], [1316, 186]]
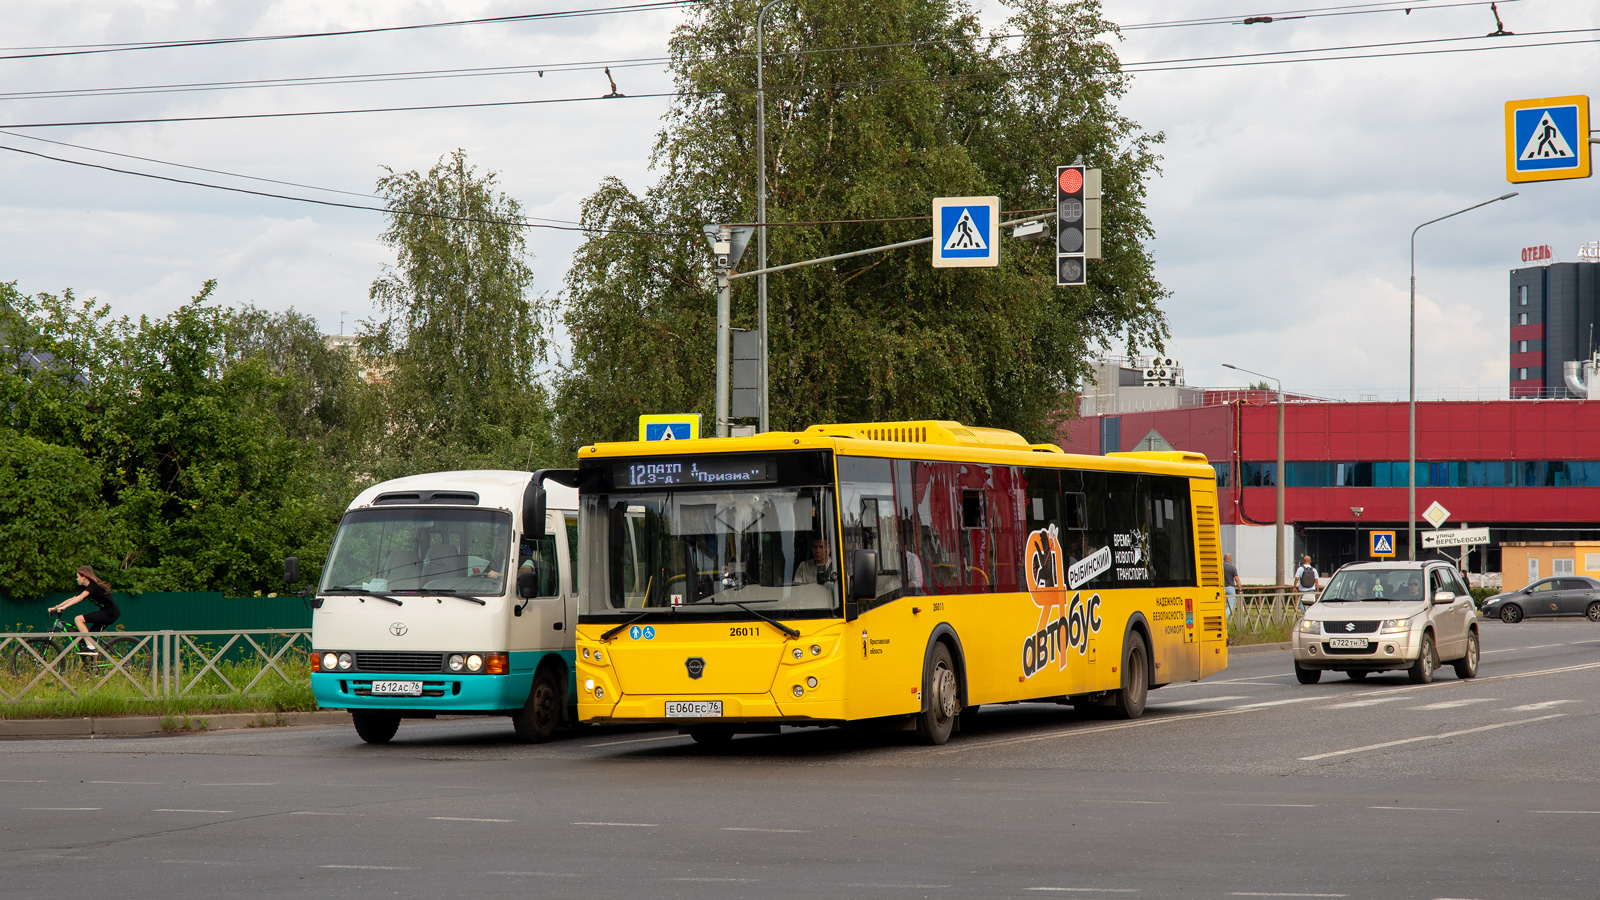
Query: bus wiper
[[608, 635], [792, 633], [351, 592], [451, 592]]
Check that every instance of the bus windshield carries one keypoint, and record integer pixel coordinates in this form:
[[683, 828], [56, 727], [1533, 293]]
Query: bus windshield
[[397, 550], [697, 551]]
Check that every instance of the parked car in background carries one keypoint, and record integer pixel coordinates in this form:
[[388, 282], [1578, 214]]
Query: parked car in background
[[1564, 595], [1374, 617]]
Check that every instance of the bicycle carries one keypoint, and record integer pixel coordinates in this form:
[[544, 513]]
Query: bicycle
[[64, 648]]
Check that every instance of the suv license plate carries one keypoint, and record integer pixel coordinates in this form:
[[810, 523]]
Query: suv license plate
[[398, 688], [694, 709], [1348, 643]]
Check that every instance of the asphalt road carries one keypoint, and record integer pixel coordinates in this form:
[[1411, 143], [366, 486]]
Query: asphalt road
[[1246, 785]]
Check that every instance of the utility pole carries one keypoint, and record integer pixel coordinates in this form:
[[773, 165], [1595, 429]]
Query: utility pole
[[720, 249]]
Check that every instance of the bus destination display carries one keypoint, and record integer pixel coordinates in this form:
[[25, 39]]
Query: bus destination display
[[708, 471]]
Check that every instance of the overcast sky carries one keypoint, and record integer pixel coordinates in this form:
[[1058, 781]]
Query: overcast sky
[[1282, 214]]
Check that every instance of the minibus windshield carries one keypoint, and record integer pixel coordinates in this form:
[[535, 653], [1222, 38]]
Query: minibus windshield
[[398, 550]]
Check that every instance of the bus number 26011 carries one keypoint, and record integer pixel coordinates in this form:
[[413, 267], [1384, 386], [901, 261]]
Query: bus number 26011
[[742, 631]]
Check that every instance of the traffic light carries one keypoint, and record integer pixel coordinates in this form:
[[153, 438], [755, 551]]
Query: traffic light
[[1077, 222]]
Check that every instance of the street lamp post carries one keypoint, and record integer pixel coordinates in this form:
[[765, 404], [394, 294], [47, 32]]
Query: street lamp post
[[1279, 476], [761, 211], [1411, 401]]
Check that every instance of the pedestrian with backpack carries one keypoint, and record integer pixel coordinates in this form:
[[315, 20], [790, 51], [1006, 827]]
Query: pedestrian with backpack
[[1305, 581]]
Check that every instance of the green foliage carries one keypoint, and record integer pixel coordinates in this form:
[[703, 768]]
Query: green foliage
[[463, 337], [927, 107], [52, 518]]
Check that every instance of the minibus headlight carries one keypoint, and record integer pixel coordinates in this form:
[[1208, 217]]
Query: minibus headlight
[[474, 663], [457, 662], [346, 660], [330, 661]]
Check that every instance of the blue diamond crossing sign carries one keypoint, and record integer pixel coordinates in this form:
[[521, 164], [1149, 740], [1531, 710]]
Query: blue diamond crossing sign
[[1547, 139], [676, 427], [1382, 544], [966, 232]]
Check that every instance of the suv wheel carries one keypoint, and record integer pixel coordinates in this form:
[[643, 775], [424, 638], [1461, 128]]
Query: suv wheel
[[1421, 671], [1307, 676]]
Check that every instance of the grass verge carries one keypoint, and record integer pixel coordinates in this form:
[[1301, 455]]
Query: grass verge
[[1259, 634], [117, 696]]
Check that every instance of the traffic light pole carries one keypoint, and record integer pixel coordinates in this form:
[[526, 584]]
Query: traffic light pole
[[869, 250]]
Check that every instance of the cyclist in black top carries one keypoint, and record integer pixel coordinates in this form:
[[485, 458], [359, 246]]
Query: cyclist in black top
[[96, 591]]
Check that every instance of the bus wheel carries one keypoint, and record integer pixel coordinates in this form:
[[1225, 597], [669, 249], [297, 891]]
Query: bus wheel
[[537, 720], [375, 726], [938, 716], [1129, 701]]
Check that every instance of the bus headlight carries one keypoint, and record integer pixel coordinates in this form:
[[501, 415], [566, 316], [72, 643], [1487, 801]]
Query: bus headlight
[[599, 692], [798, 653], [811, 681], [345, 660], [330, 661], [799, 691], [457, 662], [474, 663], [816, 650]]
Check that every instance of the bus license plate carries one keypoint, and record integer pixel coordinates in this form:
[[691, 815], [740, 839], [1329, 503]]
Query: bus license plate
[[1347, 643], [694, 709], [398, 688]]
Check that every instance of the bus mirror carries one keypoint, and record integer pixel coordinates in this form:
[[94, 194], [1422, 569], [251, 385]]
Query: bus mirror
[[527, 583], [864, 575], [291, 570]]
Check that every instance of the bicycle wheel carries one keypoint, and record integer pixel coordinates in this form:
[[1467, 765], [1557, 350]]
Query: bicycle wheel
[[122, 649], [22, 662]]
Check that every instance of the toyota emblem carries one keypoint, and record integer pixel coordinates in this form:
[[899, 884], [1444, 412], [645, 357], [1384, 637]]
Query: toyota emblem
[[696, 666], [397, 629]]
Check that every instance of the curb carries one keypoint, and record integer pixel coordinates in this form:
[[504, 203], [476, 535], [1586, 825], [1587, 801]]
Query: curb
[[1247, 649], [133, 726]]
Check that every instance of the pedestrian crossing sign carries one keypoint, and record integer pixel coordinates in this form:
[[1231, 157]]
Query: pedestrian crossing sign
[[1383, 544], [966, 232], [674, 427], [1547, 139]]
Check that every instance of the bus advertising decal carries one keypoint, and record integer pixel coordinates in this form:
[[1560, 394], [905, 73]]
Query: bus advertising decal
[[1084, 570], [1132, 555], [1063, 624]]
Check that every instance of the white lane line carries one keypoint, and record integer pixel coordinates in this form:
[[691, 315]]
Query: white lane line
[[538, 874], [1428, 737], [1565, 812], [465, 819], [1357, 704], [1584, 642], [1140, 802], [1084, 890], [214, 811], [1195, 700], [1269, 894], [1098, 729], [1419, 808], [314, 812], [374, 868], [241, 784], [1541, 646], [196, 862], [62, 808], [620, 824], [1452, 704], [123, 782], [771, 830], [737, 880], [1533, 707], [1277, 805], [883, 884], [668, 737], [23, 781]]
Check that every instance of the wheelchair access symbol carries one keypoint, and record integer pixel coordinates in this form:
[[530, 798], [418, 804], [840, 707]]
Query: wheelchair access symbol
[[1383, 544], [647, 633]]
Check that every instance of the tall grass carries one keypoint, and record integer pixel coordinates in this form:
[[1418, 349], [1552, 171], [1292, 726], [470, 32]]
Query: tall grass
[[1260, 632], [119, 697]]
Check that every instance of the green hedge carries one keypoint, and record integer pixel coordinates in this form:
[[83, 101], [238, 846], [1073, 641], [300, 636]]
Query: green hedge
[[175, 611]]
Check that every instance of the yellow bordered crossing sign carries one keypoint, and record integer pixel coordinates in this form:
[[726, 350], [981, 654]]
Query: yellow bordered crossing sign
[[670, 427], [1547, 139], [1382, 544]]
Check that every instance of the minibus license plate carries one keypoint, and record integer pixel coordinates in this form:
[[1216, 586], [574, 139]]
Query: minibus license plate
[[1348, 643], [694, 709], [399, 688]]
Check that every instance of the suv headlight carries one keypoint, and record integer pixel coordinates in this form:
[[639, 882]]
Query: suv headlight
[[1394, 626], [1309, 626]]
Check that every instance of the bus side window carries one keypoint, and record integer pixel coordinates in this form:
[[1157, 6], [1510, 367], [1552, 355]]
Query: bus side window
[[539, 557], [1007, 535], [866, 507], [572, 552]]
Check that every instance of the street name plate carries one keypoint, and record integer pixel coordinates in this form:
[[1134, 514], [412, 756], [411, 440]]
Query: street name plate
[[1459, 537]]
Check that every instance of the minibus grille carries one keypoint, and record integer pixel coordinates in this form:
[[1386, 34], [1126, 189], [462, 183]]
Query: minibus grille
[[400, 662]]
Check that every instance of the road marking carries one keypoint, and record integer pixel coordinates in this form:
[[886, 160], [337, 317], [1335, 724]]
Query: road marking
[[538, 874], [1429, 737], [620, 824], [465, 819], [23, 781], [1283, 805], [215, 811], [1566, 812], [375, 868], [313, 812], [1452, 704], [1532, 707], [1084, 890], [241, 784], [62, 808], [772, 830], [878, 884], [196, 862], [123, 782], [668, 737], [1266, 894], [690, 878], [1197, 700], [1541, 646], [1098, 729], [1143, 802], [1419, 808], [1356, 704]]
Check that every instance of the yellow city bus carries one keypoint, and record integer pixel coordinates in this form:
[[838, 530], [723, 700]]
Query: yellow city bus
[[907, 572]]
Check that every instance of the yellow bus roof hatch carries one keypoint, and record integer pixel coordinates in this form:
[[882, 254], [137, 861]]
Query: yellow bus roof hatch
[[926, 432]]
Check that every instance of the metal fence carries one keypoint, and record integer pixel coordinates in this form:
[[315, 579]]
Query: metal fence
[[147, 665], [1259, 607]]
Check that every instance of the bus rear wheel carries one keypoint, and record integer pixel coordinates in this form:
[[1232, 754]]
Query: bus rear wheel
[[375, 726], [943, 701], [1129, 700]]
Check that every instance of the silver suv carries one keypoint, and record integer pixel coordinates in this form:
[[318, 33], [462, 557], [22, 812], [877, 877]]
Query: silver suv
[[1374, 617]]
